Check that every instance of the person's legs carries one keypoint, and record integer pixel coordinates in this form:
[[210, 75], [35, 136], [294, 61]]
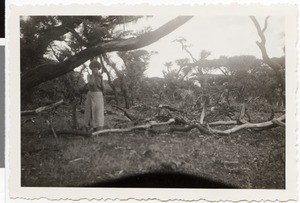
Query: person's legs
[[98, 111]]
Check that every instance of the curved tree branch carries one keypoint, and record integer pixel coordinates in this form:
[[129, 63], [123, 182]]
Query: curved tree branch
[[139, 127], [46, 72], [266, 24], [277, 122]]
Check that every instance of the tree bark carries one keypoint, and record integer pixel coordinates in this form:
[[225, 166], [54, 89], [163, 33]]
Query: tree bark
[[45, 72]]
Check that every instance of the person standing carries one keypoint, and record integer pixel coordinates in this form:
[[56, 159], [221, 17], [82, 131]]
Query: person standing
[[94, 104]]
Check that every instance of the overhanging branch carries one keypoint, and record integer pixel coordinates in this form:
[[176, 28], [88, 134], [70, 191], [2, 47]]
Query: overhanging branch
[[43, 73]]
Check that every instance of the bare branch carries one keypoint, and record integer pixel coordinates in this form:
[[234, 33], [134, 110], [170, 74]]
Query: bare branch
[[262, 46], [52, 129], [40, 109], [205, 130], [249, 125], [139, 127], [278, 122], [202, 114], [222, 123], [266, 24], [259, 30], [130, 117]]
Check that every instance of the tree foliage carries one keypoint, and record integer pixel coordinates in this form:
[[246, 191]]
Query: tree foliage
[[94, 35]]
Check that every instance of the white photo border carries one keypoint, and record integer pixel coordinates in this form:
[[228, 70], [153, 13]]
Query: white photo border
[[55, 193]]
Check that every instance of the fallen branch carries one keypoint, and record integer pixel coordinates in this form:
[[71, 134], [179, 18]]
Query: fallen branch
[[40, 109], [279, 123], [222, 123], [201, 128], [249, 125], [125, 113], [202, 114], [52, 129], [138, 127], [169, 108]]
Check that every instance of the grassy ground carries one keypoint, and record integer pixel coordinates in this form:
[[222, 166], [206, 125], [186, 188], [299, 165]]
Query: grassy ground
[[247, 159]]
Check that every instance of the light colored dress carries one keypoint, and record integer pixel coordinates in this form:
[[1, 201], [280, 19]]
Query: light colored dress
[[94, 104]]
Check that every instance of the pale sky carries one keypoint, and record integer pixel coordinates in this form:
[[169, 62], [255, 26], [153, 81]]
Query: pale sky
[[222, 36]]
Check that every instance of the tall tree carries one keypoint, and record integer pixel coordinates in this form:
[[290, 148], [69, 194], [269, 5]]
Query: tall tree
[[277, 67]]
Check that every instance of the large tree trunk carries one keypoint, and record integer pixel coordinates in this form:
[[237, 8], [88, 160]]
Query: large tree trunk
[[45, 72]]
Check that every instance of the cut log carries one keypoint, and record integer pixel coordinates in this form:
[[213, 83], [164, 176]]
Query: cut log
[[40, 109]]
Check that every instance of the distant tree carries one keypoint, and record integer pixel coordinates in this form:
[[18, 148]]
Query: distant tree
[[135, 65], [189, 67], [176, 88]]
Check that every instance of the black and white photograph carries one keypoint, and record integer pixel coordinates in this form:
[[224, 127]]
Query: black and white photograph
[[153, 101]]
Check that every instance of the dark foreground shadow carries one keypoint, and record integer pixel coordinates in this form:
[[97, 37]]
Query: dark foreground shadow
[[163, 180]]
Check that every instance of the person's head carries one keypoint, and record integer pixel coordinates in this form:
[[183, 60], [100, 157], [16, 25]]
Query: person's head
[[95, 66]]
